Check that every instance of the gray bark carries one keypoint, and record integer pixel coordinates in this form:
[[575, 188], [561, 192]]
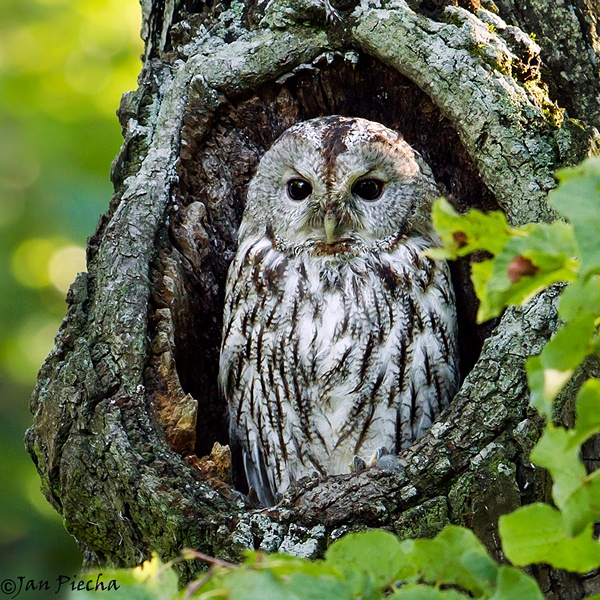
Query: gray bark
[[126, 410]]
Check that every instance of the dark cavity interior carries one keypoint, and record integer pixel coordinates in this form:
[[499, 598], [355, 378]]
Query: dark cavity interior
[[216, 167]]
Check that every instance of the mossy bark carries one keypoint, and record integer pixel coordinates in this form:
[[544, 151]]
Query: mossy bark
[[127, 408]]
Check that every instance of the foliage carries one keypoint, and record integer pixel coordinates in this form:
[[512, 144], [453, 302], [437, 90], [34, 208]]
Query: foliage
[[521, 262], [527, 260], [369, 565]]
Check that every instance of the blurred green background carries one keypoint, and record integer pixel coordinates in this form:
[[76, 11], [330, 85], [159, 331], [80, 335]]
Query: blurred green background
[[64, 65]]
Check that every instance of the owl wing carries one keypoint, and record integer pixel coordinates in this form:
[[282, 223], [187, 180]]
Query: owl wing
[[434, 370], [243, 383]]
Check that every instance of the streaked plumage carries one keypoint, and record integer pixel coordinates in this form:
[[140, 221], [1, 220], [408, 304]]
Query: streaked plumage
[[339, 337]]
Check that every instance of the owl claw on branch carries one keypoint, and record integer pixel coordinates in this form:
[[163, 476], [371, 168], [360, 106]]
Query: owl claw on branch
[[382, 458], [359, 465]]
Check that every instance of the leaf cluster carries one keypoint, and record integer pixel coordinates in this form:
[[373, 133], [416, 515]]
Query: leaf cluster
[[370, 565], [526, 260]]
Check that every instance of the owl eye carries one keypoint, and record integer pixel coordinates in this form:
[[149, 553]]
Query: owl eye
[[298, 189], [368, 189]]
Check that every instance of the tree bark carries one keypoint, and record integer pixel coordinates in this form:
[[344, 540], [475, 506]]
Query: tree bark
[[126, 410]]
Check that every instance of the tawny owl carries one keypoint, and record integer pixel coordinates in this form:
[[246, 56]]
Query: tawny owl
[[339, 336]]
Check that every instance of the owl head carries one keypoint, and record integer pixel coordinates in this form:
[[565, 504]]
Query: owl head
[[337, 182]]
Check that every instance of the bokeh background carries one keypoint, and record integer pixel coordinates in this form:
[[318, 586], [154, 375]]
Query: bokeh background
[[64, 65]]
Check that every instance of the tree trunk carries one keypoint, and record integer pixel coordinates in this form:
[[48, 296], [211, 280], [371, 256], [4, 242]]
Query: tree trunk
[[126, 407]]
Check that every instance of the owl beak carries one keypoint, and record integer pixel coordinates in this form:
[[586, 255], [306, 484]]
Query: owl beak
[[330, 223]]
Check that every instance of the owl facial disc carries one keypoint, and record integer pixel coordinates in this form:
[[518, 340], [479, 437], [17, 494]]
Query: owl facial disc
[[340, 182]]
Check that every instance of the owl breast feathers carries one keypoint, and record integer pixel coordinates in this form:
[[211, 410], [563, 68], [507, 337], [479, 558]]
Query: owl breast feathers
[[339, 336]]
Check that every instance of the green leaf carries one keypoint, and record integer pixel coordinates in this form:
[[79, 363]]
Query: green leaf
[[455, 557], [587, 405], [536, 534], [548, 372], [279, 576], [463, 234], [582, 508], [550, 246], [481, 273], [570, 345], [536, 379], [528, 259], [557, 453], [578, 198], [425, 592], [284, 564], [433, 560], [471, 553], [579, 298], [150, 581], [377, 554], [320, 588], [575, 492], [246, 584], [513, 583], [535, 257]]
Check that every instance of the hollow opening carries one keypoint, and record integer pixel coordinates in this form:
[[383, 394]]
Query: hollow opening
[[215, 169]]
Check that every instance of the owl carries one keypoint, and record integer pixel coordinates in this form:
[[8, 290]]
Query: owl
[[339, 335]]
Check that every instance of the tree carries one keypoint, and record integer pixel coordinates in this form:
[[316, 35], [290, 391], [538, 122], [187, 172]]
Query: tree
[[126, 407]]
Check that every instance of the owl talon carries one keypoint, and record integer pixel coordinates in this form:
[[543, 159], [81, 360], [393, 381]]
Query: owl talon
[[387, 461], [381, 451], [359, 465], [382, 459]]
